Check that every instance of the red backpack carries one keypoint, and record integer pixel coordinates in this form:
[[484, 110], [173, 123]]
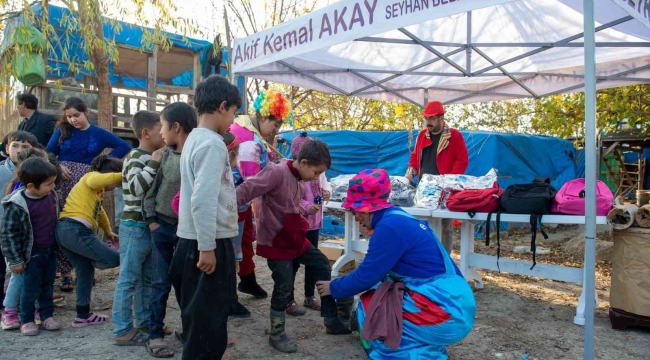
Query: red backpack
[[475, 200]]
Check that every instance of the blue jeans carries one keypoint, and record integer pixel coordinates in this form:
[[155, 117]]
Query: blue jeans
[[39, 276], [164, 243], [14, 290], [86, 251], [133, 288]]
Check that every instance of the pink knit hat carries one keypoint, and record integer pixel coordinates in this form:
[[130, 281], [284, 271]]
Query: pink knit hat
[[368, 191], [297, 143]]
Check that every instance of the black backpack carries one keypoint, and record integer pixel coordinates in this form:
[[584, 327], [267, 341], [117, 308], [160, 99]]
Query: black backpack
[[534, 198]]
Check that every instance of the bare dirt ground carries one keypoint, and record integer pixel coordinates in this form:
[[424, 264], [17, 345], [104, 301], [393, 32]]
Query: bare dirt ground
[[516, 316]]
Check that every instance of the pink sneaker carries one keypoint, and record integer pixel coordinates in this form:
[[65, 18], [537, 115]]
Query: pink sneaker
[[10, 320], [50, 324], [29, 329]]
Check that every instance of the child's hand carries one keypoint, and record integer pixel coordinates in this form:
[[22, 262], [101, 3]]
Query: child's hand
[[326, 196], [157, 155], [153, 226], [18, 268], [314, 209], [323, 288], [236, 266], [207, 261], [113, 237], [65, 173]]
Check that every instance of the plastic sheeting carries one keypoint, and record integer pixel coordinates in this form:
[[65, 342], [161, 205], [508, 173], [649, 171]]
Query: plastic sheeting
[[518, 158]]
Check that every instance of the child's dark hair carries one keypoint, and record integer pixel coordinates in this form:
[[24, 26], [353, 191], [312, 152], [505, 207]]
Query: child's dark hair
[[214, 90], [30, 153], [144, 119], [22, 136], [35, 171], [3, 150], [316, 153], [35, 153], [106, 164], [228, 138], [182, 113], [63, 124]]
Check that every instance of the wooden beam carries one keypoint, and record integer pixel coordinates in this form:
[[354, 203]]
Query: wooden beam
[[196, 78], [610, 149], [171, 89], [82, 90], [127, 106], [152, 77], [196, 70], [115, 100], [88, 82]]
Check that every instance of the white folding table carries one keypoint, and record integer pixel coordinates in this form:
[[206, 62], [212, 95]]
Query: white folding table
[[355, 249]]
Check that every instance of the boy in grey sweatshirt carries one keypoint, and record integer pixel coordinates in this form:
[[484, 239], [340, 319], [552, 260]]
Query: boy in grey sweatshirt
[[207, 221]]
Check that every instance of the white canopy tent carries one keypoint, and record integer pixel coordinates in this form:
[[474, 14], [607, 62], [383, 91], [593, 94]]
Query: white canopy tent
[[460, 52], [452, 51]]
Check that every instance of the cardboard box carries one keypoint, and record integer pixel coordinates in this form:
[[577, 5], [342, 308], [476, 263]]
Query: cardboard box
[[630, 271], [333, 249]]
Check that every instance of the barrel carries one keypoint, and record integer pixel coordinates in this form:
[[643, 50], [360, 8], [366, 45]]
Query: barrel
[[642, 197]]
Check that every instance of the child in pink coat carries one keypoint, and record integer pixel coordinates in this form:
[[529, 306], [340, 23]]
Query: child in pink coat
[[315, 193]]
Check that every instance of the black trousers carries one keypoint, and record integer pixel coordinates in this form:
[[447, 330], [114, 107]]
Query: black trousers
[[310, 276], [283, 278], [204, 299]]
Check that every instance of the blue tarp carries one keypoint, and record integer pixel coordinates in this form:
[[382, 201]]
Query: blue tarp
[[518, 158], [122, 33]]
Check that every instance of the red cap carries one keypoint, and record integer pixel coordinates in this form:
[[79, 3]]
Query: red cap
[[433, 108]]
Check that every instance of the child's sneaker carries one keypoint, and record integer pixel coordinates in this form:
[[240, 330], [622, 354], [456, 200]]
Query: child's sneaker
[[29, 329], [10, 320], [37, 317], [50, 324]]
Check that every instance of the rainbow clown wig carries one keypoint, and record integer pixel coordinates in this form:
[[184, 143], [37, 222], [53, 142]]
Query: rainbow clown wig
[[273, 103]]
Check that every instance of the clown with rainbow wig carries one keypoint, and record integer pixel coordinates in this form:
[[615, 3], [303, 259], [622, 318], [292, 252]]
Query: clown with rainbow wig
[[271, 109]]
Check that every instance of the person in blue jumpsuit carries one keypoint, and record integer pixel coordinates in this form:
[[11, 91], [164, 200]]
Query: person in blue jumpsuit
[[438, 304]]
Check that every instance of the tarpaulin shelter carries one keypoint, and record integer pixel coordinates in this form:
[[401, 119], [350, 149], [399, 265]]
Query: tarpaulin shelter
[[133, 47], [460, 52]]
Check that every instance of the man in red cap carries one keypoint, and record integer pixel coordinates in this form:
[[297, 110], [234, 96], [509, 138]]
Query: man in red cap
[[439, 150]]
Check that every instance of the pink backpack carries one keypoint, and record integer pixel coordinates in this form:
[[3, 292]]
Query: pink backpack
[[571, 198]]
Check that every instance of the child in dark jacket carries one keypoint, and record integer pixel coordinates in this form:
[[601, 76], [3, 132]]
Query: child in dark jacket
[[10, 319], [28, 241], [178, 120], [282, 235]]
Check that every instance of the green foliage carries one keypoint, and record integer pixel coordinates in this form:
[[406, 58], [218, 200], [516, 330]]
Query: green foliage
[[563, 115]]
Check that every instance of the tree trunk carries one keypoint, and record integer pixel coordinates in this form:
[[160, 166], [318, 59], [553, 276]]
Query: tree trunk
[[91, 21]]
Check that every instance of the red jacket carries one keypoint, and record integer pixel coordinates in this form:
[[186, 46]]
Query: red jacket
[[452, 152]]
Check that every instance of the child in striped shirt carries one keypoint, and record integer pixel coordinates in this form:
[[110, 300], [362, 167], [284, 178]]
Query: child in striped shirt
[[133, 288]]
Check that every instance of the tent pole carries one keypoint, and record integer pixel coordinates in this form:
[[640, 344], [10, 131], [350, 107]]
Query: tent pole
[[590, 178], [468, 60]]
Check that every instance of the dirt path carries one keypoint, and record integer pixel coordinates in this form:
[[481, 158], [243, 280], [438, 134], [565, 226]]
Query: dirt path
[[516, 316]]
